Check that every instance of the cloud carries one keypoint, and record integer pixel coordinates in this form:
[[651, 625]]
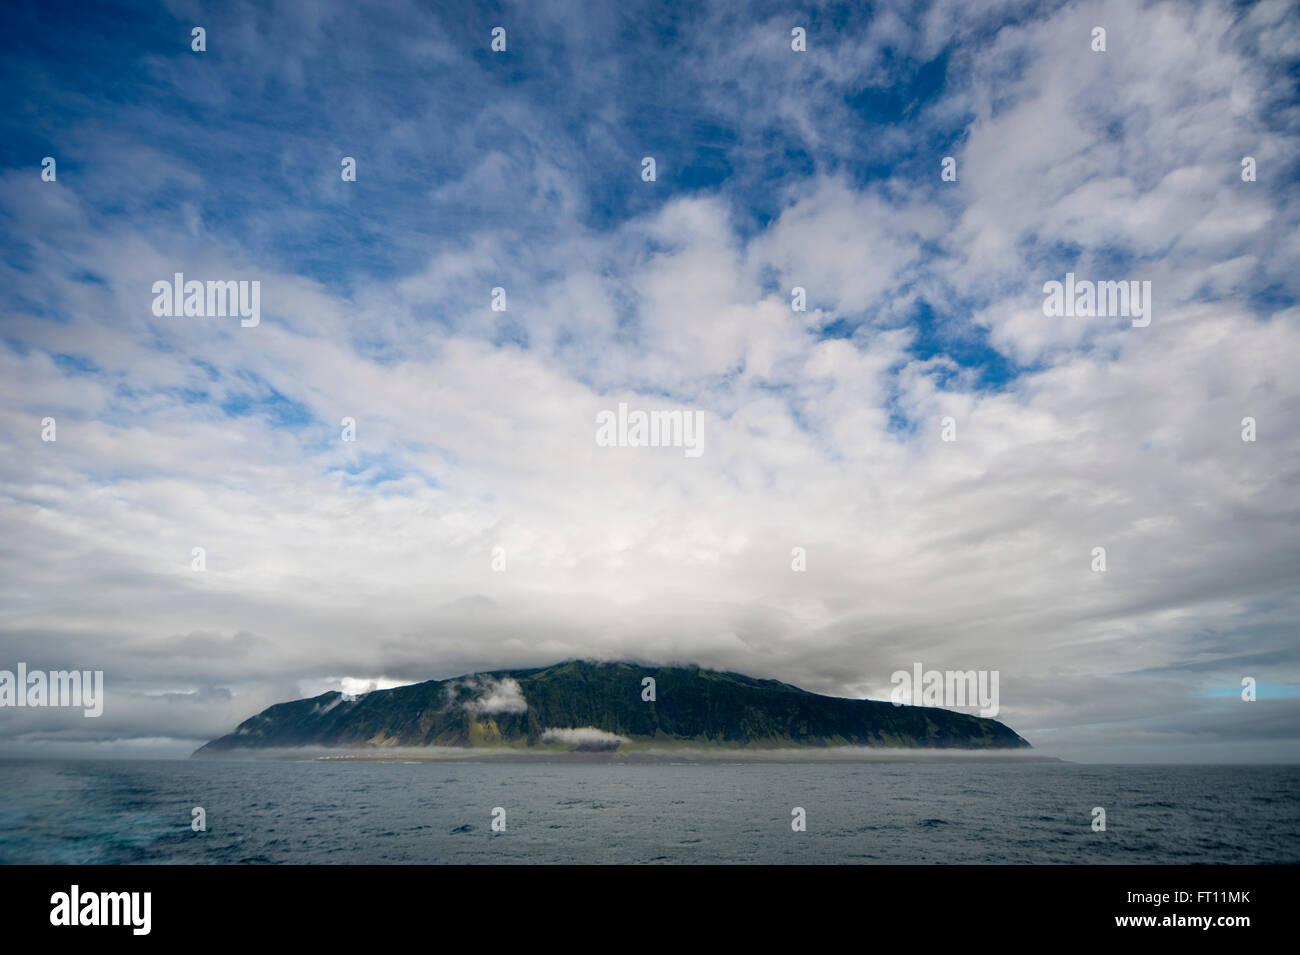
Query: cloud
[[375, 558], [587, 737], [497, 696]]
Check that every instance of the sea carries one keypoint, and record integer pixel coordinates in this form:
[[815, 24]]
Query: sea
[[427, 811]]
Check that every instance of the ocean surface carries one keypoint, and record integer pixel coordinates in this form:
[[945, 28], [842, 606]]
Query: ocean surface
[[331, 811]]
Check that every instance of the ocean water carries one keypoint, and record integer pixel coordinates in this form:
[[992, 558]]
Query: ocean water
[[90, 812]]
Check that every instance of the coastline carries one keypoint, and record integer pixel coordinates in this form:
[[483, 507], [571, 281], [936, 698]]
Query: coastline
[[685, 755]]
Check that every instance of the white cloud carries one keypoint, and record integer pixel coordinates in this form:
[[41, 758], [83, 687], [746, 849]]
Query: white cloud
[[498, 696], [971, 554], [587, 736]]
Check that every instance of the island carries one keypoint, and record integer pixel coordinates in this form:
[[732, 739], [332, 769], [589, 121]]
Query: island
[[579, 707]]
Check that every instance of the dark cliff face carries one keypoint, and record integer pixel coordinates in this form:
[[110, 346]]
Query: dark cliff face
[[516, 708]]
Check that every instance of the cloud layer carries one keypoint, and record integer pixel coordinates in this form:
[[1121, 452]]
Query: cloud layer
[[475, 524]]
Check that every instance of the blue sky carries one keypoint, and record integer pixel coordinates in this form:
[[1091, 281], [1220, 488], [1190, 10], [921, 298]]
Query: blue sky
[[371, 560], [257, 132]]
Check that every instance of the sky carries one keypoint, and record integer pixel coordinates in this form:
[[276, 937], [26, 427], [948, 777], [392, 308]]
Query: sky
[[476, 523]]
